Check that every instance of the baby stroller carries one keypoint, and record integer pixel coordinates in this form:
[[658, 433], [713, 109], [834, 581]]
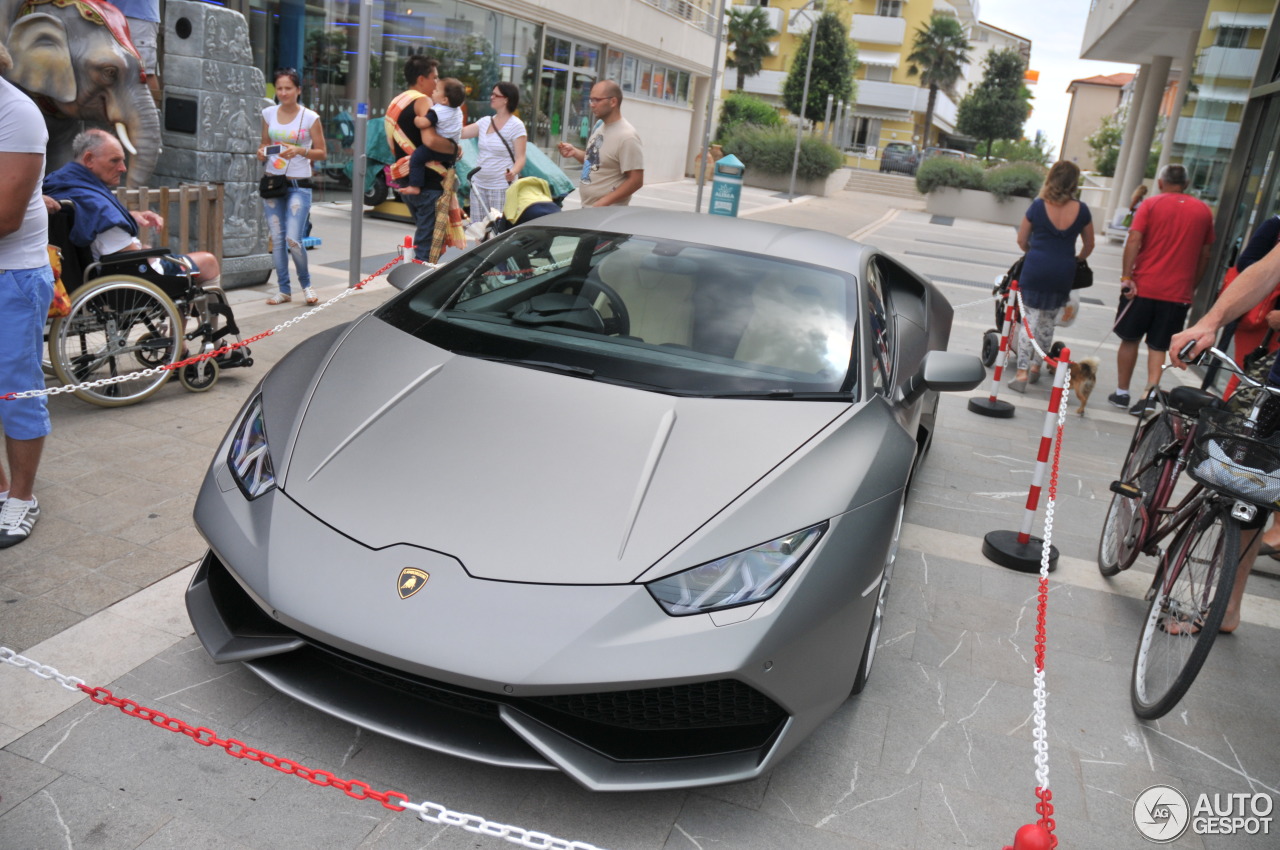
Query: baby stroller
[[527, 198], [991, 338], [130, 313]]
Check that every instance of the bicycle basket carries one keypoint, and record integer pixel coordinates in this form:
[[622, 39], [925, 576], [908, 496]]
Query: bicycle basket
[[1228, 460]]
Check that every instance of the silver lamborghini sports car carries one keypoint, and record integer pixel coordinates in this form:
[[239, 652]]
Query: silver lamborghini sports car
[[616, 493]]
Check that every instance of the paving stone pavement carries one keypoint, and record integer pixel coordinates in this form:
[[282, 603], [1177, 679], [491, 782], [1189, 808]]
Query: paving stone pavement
[[935, 753]]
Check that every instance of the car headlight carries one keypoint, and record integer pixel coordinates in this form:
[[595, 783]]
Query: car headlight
[[752, 575], [249, 458]]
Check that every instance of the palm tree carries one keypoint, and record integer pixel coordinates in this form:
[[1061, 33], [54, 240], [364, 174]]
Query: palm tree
[[938, 56], [749, 34]]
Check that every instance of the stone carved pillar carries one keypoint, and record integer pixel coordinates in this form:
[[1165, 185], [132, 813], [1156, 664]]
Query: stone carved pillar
[[214, 96]]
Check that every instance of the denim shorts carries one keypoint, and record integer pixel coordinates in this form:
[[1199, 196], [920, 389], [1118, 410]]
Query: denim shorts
[[24, 306]]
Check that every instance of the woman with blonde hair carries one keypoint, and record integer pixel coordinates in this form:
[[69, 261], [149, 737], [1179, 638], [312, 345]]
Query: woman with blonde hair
[[1048, 234]]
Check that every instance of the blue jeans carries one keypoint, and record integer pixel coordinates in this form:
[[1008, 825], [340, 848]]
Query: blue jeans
[[24, 304], [423, 207], [287, 224]]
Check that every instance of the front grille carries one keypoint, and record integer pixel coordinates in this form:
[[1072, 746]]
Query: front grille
[[642, 724], [701, 705]]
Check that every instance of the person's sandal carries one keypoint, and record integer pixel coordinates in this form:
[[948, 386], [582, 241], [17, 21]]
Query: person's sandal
[[280, 298], [312, 298]]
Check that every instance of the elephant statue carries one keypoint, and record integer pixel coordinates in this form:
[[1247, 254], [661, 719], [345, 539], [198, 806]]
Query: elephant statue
[[75, 59]]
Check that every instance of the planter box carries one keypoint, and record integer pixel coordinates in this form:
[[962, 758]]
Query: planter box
[[835, 182], [977, 205]]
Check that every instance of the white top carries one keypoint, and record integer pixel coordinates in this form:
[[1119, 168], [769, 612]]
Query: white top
[[494, 160], [294, 132], [22, 130], [448, 120]]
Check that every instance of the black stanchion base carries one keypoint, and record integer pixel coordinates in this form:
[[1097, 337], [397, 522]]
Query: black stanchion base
[[997, 408], [1003, 548]]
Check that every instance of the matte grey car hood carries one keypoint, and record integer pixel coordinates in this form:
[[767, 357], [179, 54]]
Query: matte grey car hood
[[520, 474]]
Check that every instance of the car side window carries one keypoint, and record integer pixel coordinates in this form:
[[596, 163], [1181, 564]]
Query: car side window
[[880, 331]]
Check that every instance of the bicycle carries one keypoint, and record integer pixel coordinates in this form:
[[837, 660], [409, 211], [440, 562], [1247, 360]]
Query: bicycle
[[1235, 473]]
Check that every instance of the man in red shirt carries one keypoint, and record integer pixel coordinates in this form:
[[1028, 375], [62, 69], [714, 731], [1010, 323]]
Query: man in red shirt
[[1165, 255]]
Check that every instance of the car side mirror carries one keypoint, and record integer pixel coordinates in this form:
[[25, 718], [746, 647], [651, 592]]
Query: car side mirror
[[945, 371]]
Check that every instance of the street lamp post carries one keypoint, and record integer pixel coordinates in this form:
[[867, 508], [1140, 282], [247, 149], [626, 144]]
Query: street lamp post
[[804, 99], [711, 106]]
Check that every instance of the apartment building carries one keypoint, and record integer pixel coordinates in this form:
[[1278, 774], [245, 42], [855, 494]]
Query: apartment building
[[890, 104]]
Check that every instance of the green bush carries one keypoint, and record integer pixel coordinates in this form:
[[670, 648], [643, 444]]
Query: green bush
[[771, 150], [739, 109], [1014, 180], [942, 172]]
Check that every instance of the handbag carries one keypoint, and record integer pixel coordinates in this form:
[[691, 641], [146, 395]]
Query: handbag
[[273, 186], [60, 306], [1084, 276]]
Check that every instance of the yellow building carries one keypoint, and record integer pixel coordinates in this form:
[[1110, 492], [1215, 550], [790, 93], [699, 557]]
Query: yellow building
[[890, 103]]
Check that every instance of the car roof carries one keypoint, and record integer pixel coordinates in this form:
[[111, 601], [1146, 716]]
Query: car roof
[[724, 232]]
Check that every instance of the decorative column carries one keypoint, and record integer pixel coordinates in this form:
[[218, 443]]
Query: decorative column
[[1126, 143], [1148, 112]]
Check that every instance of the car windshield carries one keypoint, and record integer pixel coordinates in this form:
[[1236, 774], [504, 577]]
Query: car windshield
[[658, 314]]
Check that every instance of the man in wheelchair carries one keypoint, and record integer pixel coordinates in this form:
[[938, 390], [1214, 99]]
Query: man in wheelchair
[[132, 309], [105, 226]]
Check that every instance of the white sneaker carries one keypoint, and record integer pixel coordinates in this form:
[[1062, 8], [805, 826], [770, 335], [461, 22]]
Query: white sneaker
[[16, 520]]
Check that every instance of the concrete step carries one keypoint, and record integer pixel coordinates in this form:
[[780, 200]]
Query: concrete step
[[895, 185]]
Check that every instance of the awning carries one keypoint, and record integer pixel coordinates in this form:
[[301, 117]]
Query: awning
[[1248, 20], [873, 57]]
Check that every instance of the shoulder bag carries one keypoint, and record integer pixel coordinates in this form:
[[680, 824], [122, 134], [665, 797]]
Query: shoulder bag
[[1084, 276]]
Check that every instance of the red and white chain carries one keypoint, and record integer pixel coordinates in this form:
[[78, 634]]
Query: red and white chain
[[354, 788], [1026, 330]]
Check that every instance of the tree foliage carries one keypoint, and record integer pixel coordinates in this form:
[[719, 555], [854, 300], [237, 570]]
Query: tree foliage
[[834, 61], [1037, 150], [1105, 144], [749, 34], [938, 54], [739, 108], [997, 107]]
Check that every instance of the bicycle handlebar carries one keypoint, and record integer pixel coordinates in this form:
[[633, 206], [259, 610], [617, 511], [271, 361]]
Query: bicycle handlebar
[[1228, 362]]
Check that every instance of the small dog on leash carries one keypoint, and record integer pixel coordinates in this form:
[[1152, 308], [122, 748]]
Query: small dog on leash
[[1081, 377]]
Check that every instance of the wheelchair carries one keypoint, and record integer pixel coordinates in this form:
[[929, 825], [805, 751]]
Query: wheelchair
[[130, 312]]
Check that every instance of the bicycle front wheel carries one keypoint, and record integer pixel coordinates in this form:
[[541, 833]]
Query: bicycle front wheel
[[1190, 598], [1126, 523]]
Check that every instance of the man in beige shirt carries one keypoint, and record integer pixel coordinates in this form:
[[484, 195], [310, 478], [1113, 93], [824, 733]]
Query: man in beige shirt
[[613, 162]]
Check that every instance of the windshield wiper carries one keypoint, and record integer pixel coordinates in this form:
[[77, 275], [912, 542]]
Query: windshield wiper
[[784, 393], [543, 365]]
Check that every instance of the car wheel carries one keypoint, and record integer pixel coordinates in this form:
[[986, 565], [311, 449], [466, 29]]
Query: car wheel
[[377, 192], [877, 616], [990, 348]]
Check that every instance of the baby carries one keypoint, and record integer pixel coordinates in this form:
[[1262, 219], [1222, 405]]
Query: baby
[[446, 117]]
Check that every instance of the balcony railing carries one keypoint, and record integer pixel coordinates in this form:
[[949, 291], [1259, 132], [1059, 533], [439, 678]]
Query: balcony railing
[[1232, 63], [689, 11], [878, 29]]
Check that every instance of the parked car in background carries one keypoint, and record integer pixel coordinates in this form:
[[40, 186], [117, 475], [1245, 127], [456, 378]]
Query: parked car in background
[[901, 157], [630, 486], [950, 153]]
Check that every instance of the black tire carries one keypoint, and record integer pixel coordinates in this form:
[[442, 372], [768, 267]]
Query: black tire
[[377, 193], [112, 321], [990, 348], [1126, 521], [1190, 600]]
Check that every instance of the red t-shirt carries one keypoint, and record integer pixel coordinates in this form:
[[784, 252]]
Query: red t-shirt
[[1175, 227]]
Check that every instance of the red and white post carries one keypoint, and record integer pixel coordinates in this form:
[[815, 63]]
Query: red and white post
[[992, 405], [1020, 551]]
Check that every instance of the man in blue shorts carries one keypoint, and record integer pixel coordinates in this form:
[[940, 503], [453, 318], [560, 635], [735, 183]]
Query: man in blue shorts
[[26, 288]]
